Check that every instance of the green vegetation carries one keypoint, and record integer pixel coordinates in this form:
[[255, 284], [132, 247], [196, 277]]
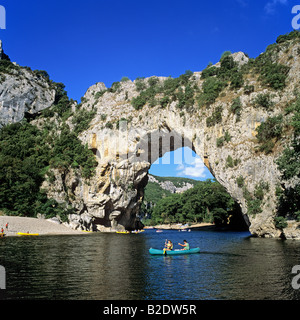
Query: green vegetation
[[236, 108], [263, 101], [125, 79], [211, 90], [6, 66], [280, 222], [171, 89], [231, 163], [240, 181], [294, 35], [254, 201], [269, 132], [28, 154], [216, 79], [208, 201], [82, 119], [185, 91], [69, 152], [109, 125], [140, 84], [270, 129], [210, 71], [115, 87], [99, 94], [272, 74], [139, 102], [223, 139], [154, 193], [226, 54], [220, 142], [237, 80], [228, 71], [248, 89], [215, 118]]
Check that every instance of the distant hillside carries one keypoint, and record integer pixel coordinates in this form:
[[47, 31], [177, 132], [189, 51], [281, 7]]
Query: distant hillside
[[161, 187]]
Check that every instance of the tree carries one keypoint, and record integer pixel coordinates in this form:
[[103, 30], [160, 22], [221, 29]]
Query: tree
[[167, 208], [207, 201], [26, 155], [225, 54]]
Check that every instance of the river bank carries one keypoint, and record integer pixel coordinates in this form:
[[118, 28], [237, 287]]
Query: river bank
[[33, 226], [202, 226], [46, 227]]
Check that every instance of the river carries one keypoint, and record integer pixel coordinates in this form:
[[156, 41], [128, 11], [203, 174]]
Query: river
[[231, 265]]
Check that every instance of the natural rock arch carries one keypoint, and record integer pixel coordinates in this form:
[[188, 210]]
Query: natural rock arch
[[223, 137], [126, 142], [217, 112], [125, 156]]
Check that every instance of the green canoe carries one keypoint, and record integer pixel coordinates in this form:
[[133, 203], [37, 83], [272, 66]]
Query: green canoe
[[173, 252]]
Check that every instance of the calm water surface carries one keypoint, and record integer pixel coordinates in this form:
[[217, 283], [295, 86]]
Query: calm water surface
[[231, 265]]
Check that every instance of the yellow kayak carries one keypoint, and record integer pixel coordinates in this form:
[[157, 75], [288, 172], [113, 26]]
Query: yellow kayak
[[129, 232], [27, 234]]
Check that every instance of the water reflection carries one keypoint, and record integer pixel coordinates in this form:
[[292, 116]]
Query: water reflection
[[114, 266]]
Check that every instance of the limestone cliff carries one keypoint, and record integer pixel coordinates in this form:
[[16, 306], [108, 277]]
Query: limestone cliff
[[127, 138], [216, 112], [170, 186], [23, 92]]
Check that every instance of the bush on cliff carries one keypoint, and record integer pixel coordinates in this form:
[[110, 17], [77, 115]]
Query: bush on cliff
[[211, 88], [272, 74], [269, 132]]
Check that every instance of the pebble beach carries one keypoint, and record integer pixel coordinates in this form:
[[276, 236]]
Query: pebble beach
[[33, 226]]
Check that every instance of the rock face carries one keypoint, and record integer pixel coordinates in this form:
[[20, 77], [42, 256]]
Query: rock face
[[109, 202], [126, 140], [22, 92], [3, 56], [170, 186]]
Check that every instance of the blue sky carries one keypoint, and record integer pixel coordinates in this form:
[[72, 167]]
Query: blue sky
[[80, 43], [182, 162]]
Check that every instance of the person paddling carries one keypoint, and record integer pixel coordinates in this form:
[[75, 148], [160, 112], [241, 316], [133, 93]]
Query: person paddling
[[168, 246], [185, 245]]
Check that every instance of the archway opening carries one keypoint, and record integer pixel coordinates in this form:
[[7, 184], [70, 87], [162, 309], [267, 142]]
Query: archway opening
[[181, 190]]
